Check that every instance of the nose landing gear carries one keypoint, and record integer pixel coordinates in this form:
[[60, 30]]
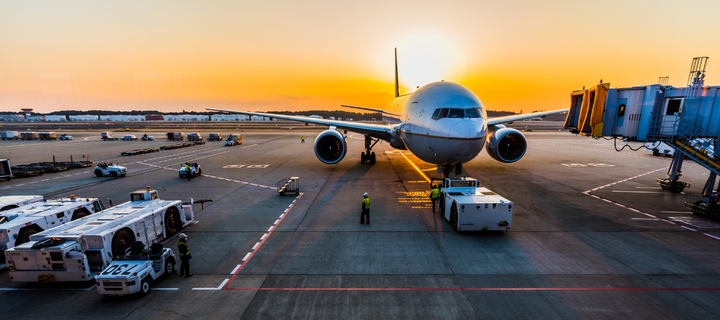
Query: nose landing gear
[[368, 155], [448, 168]]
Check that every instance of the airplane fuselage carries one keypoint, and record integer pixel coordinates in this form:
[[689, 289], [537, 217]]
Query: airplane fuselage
[[441, 122]]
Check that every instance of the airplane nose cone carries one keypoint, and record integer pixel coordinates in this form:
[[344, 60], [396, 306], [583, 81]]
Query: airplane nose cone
[[464, 129], [462, 136]]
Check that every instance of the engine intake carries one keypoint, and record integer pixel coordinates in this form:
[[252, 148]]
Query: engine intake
[[330, 146], [505, 144]]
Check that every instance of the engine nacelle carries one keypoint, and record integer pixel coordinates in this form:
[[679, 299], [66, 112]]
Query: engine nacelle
[[505, 144], [330, 146]]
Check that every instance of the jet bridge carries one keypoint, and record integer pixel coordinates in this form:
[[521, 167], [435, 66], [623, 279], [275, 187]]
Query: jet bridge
[[685, 118]]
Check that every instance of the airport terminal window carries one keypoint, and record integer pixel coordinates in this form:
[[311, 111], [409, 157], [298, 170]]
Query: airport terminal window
[[456, 113]]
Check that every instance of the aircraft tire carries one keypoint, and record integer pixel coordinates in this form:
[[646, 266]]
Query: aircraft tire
[[362, 157]]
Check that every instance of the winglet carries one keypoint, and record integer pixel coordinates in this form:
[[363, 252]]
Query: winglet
[[397, 85]]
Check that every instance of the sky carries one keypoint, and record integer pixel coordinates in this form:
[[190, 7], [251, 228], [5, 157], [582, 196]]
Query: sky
[[317, 54]]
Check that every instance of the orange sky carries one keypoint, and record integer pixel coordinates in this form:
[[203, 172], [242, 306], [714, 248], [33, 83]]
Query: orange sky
[[317, 54]]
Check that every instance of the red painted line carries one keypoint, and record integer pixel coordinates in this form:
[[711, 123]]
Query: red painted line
[[252, 254], [475, 289]]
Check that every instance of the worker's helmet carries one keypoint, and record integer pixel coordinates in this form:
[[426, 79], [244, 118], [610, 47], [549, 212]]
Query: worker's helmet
[[183, 236], [365, 195], [186, 163], [434, 186]]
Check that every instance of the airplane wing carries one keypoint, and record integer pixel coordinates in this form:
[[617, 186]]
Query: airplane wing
[[517, 117], [371, 109], [383, 131]]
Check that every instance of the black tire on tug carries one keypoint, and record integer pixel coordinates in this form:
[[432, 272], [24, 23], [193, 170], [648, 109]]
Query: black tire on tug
[[454, 216], [173, 224], [114, 173], [656, 152], [121, 241], [145, 286], [25, 233], [169, 267], [79, 213], [199, 172], [677, 187], [98, 173]]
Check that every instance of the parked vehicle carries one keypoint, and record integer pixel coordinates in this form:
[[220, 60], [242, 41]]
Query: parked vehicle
[[107, 135], [146, 137], [135, 271], [214, 136], [195, 171], [108, 169], [5, 169], [175, 136], [195, 136], [232, 140], [65, 137], [129, 137]]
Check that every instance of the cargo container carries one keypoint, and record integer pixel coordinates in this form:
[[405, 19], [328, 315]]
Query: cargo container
[[29, 135], [9, 135], [175, 136]]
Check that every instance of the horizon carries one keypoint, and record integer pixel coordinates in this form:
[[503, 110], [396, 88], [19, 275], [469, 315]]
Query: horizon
[[317, 55]]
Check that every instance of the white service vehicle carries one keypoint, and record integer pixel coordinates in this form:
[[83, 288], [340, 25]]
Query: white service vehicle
[[17, 225], [469, 207], [108, 169], [129, 137], [195, 171], [79, 250], [134, 272], [12, 202], [65, 137], [659, 147]]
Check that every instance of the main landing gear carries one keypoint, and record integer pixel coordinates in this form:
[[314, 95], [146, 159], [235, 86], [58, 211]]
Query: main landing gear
[[368, 155]]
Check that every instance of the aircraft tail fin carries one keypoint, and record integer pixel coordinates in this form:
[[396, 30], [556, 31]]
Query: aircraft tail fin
[[397, 85]]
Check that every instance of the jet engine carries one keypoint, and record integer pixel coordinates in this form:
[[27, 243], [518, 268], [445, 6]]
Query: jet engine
[[505, 144], [330, 146]]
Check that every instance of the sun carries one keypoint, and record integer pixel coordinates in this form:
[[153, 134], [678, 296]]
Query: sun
[[425, 58]]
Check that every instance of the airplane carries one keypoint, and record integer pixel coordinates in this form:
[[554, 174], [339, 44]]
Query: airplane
[[442, 123]]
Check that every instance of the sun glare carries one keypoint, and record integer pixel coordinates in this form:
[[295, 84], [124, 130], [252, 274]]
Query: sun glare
[[426, 58]]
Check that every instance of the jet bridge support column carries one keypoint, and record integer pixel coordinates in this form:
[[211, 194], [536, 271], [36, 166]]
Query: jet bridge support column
[[709, 206], [673, 182]]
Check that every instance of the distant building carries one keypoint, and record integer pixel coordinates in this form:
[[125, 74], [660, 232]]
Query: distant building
[[229, 117], [257, 118], [315, 116], [83, 118], [331, 118], [114, 117], [154, 117], [187, 117], [55, 118]]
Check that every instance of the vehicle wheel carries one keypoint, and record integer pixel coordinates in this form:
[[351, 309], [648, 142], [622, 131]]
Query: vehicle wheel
[[372, 158], [7, 178], [145, 286], [199, 172], [362, 157], [172, 222], [121, 241], [454, 216], [79, 213], [677, 187], [297, 193], [656, 152], [696, 210], [181, 176], [25, 233], [114, 174], [169, 267]]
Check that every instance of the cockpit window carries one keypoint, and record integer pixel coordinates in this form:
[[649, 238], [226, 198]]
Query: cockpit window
[[472, 113], [456, 113], [440, 113]]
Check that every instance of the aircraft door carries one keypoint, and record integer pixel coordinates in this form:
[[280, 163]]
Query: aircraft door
[[671, 111]]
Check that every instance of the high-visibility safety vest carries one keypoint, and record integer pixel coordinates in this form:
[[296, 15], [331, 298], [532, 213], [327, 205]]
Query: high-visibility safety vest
[[435, 193], [183, 249], [366, 203], [187, 168]]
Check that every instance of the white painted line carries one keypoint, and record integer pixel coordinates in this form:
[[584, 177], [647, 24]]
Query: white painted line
[[33, 182], [255, 246], [222, 284], [644, 219], [688, 212], [657, 188], [236, 267], [276, 221], [270, 229], [246, 256], [45, 180], [263, 237], [164, 289], [629, 191], [20, 185], [5, 188], [282, 215]]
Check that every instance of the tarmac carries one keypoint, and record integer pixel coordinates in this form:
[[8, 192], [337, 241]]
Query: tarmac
[[593, 236]]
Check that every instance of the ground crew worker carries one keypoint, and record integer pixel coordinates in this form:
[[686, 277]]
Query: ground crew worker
[[365, 209], [187, 170], [302, 138], [434, 195], [185, 256]]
